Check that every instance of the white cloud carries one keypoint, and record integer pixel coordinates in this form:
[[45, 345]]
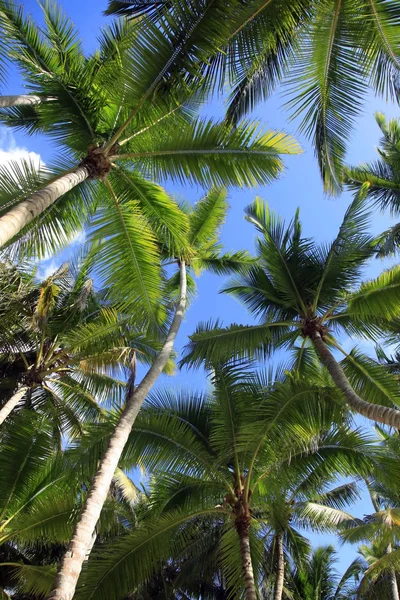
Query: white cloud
[[19, 154], [47, 268], [79, 237], [9, 151]]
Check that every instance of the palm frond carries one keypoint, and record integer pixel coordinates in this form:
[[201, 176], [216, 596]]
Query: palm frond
[[377, 297], [127, 245], [133, 559], [328, 82], [371, 380], [211, 153], [160, 210], [207, 216], [214, 344]]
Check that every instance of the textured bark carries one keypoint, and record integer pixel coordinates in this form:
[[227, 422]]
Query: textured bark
[[77, 551], [21, 100], [375, 412], [12, 403], [247, 566], [13, 221], [394, 586], [393, 580], [280, 568]]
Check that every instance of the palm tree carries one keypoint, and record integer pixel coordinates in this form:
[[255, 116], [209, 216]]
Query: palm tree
[[380, 181], [202, 250], [381, 530], [286, 508], [328, 51], [36, 499], [374, 574], [116, 129], [42, 490], [57, 338], [317, 578], [307, 293], [226, 460]]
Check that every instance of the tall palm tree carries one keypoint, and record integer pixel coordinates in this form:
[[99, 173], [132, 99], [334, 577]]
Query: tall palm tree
[[308, 294], [217, 459], [381, 532], [380, 180], [42, 490], [317, 578], [373, 574], [200, 251], [328, 51], [117, 128], [36, 499], [57, 338], [295, 503]]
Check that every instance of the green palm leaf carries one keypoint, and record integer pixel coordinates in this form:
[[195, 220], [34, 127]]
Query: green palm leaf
[[207, 216], [133, 559], [169, 223], [371, 380], [328, 82], [211, 154], [127, 245], [377, 298]]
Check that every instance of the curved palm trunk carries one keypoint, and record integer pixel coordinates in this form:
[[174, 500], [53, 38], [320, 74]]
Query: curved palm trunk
[[77, 551], [21, 100], [247, 566], [12, 403], [280, 568], [375, 412], [13, 221]]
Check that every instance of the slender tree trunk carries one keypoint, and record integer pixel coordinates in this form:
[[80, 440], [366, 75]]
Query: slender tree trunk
[[375, 412], [393, 579], [77, 551], [280, 568], [13, 221], [21, 100], [12, 403], [394, 586], [247, 566]]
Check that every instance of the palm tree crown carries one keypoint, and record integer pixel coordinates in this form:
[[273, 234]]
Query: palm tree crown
[[59, 337], [254, 459], [307, 294], [116, 130], [379, 181], [328, 51]]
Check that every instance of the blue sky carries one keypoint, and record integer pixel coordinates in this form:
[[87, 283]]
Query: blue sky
[[300, 185]]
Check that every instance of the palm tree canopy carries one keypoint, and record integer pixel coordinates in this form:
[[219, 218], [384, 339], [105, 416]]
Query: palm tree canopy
[[297, 285], [109, 114], [329, 52], [42, 493], [317, 578], [63, 340], [208, 452], [379, 181]]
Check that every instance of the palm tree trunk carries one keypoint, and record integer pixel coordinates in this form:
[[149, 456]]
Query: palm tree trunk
[[77, 551], [13, 221], [21, 100], [375, 412], [12, 403], [280, 568], [394, 586], [247, 565], [393, 579]]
